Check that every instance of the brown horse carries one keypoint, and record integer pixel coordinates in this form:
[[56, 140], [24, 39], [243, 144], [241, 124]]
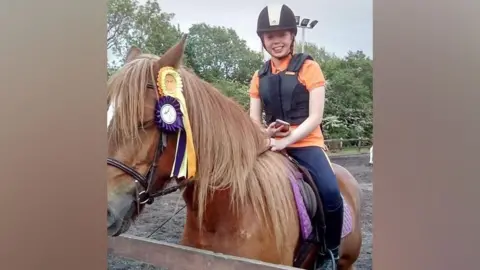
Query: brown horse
[[240, 201]]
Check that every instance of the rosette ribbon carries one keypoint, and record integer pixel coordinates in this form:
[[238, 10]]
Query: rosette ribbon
[[171, 96], [172, 103]]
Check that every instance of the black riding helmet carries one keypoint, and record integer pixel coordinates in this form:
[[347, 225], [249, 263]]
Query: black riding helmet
[[276, 17]]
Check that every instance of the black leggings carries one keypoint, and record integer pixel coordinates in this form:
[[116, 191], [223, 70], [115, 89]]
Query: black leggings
[[316, 161]]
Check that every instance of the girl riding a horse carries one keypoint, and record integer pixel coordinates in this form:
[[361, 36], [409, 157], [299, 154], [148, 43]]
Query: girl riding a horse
[[290, 88]]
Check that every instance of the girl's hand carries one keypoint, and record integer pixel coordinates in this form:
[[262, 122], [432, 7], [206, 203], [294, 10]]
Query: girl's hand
[[278, 145], [276, 131]]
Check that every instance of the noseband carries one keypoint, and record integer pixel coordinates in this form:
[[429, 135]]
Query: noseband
[[147, 181]]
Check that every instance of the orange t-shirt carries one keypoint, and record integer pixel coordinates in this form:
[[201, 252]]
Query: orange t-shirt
[[310, 75]]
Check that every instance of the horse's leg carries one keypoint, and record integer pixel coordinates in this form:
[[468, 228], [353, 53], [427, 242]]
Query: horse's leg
[[350, 247], [349, 250], [351, 244]]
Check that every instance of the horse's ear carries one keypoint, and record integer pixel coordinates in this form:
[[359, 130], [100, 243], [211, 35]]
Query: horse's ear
[[173, 57], [133, 53]]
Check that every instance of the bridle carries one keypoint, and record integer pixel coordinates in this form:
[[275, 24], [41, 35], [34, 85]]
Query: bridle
[[146, 182]]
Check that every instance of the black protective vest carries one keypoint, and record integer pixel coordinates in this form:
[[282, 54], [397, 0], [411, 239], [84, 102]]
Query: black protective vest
[[283, 96]]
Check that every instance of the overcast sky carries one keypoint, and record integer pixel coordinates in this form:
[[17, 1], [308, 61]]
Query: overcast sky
[[343, 24]]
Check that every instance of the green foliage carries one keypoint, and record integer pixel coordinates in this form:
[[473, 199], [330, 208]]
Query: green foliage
[[235, 90], [120, 18], [318, 53], [145, 26], [216, 52], [219, 56], [349, 94]]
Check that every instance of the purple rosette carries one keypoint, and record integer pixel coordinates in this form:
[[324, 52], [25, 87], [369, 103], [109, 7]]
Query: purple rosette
[[168, 114]]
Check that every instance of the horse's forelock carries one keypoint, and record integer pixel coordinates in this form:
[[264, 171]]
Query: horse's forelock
[[127, 90]]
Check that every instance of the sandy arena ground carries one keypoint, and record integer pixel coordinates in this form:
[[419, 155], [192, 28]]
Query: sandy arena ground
[[163, 208]]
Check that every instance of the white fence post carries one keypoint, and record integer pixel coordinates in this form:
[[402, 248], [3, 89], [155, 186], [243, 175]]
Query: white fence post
[[371, 155]]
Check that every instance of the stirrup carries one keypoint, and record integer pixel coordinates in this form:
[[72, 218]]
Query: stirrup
[[329, 263]]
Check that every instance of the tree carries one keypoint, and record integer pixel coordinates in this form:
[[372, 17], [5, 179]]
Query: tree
[[349, 92], [235, 90], [153, 30], [216, 52], [319, 54], [146, 26], [120, 18], [349, 99]]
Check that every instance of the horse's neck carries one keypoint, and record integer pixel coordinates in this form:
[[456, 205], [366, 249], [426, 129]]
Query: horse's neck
[[217, 202]]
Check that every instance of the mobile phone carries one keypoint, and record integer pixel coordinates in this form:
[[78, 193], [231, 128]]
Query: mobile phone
[[286, 125]]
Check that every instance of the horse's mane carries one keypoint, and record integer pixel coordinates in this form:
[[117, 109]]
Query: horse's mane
[[127, 91], [227, 144]]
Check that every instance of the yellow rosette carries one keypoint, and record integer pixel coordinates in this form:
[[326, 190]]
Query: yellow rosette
[[170, 84]]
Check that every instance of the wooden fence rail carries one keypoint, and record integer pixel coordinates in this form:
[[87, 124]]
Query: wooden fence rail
[[335, 145], [177, 257]]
